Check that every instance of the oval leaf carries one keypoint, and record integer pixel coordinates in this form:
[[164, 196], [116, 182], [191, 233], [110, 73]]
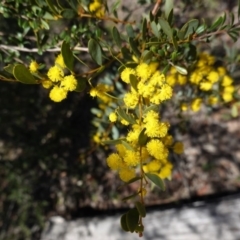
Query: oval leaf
[[156, 180], [81, 84], [67, 55], [166, 28], [141, 209], [116, 36], [95, 51], [132, 219], [142, 138], [23, 75], [181, 70], [123, 222], [133, 81]]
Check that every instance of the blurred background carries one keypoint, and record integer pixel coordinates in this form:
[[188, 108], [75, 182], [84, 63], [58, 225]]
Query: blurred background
[[49, 165]]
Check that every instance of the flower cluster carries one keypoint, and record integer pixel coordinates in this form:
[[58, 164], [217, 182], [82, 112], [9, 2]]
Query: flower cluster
[[97, 8], [210, 81], [59, 83], [146, 146]]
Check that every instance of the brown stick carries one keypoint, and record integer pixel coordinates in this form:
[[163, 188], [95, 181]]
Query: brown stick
[[156, 7]]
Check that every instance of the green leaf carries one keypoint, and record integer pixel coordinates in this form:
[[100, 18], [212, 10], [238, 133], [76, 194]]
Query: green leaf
[[192, 27], [125, 116], [68, 13], [134, 48], [130, 197], [144, 28], [95, 51], [130, 31], [23, 75], [166, 28], [155, 29], [112, 142], [156, 180], [116, 37], [142, 138], [216, 24], [168, 8], [132, 219], [9, 68], [130, 181], [81, 84], [126, 53], [51, 6], [147, 55], [127, 145], [67, 55], [123, 222], [141, 209], [181, 70], [6, 76], [44, 24], [133, 81]]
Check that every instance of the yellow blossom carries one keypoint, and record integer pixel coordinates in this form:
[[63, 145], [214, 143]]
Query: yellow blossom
[[143, 71], [212, 100], [153, 166], [97, 8], [196, 104], [69, 83], [114, 161], [57, 94], [184, 107], [131, 158], [131, 99], [206, 85], [226, 81], [46, 84], [33, 67], [155, 148], [113, 117], [213, 76], [127, 174], [166, 171], [55, 74], [125, 74], [60, 61], [178, 148], [121, 149]]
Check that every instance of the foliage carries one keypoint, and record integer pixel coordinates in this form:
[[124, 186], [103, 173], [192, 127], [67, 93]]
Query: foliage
[[155, 61]]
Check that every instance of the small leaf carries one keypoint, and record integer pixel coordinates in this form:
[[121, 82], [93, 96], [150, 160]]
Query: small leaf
[[181, 70], [44, 24], [130, 181], [126, 116], [142, 138], [9, 68], [166, 28], [147, 55], [127, 145], [116, 36], [126, 53], [192, 27], [67, 55], [130, 31], [123, 222], [156, 180], [134, 48], [81, 84], [141, 209], [216, 24], [68, 13], [144, 29], [155, 29], [95, 51], [132, 219], [168, 8], [112, 142], [23, 75], [133, 81], [234, 111], [130, 197], [51, 6]]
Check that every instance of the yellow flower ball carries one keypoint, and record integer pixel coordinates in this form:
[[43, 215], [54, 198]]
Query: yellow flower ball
[[57, 94]]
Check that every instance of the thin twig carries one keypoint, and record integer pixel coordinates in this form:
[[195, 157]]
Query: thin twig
[[156, 7]]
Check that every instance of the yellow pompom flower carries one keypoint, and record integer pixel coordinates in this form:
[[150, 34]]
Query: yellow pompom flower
[[55, 74], [124, 122], [155, 148], [114, 161], [153, 166], [57, 94], [121, 150], [166, 171], [206, 85], [196, 104], [178, 147], [127, 174], [69, 83], [131, 99], [60, 61], [125, 75], [33, 67], [213, 76], [143, 71], [184, 107], [131, 158], [97, 8], [112, 117], [47, 84], [133, 135], [226, 81]]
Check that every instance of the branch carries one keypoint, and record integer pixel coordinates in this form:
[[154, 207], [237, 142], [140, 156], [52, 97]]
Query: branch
[[156, 7]]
